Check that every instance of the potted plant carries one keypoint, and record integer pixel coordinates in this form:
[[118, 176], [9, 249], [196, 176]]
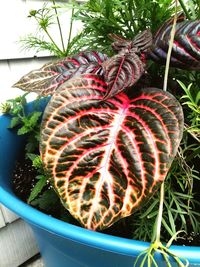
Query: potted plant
[[104, 150]]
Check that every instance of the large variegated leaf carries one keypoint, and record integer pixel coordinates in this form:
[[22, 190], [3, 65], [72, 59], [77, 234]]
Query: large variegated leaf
[[46, 80], [121, 71], [186, 46], [106, 158]]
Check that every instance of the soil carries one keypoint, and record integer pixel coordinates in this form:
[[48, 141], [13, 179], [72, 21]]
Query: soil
[[24, 180]]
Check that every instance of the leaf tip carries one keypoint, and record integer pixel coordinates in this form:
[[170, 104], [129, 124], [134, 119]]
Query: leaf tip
[[15, 85]]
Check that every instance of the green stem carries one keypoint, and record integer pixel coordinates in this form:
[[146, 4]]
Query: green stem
[[70, 31], [47, 33], [158, 223], [59, 26], [157, 226], [184, 9], [171, 41]]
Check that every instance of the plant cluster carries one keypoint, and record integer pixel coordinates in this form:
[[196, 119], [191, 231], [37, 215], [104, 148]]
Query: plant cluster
[[111, 76], [28, 122], [100, 18], [97, 130]]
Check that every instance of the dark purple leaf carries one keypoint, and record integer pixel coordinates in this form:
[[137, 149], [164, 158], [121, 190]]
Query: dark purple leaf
[[47, 79], [120, 43], [143, 41], [165, 26], [186, 46], [140, 43], [121, 71], [106, 158]]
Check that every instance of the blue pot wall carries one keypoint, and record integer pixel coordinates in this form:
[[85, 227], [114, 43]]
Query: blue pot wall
[[62, 244]]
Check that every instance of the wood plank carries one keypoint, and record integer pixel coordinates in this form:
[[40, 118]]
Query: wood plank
[[2, 222], [8, 215], [17, 244], [18, 25]]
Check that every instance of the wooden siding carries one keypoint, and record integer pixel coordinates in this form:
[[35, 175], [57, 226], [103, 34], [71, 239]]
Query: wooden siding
[[17, 243], [15, 24]]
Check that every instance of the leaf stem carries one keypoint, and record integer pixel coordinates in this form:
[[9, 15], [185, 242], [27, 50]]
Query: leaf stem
[[59, 26], [70, 29], [171, 41], [158, 222], [160, 212], [47, 33]]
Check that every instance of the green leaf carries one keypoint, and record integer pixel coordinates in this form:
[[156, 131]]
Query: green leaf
[[194, 153], [151, 207], [36, 160], [46, 200], [37, 188], [15, 121], [5, 108], [39, 177], [197, 98], [171, 220], [37, 136], [34, 118], [29, 122], [31, 156], [183, 195], [23, 130], [179, 211], [153, 214], [167, 227]]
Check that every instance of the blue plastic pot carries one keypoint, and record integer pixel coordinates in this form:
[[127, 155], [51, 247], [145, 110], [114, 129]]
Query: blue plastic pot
[[62, 244]]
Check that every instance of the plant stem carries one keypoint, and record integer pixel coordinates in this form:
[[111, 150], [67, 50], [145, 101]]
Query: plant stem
[[70, 31], [158, 223], [160, 213], [47, 33], [171, 41], [184, 9], [59, 26]]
